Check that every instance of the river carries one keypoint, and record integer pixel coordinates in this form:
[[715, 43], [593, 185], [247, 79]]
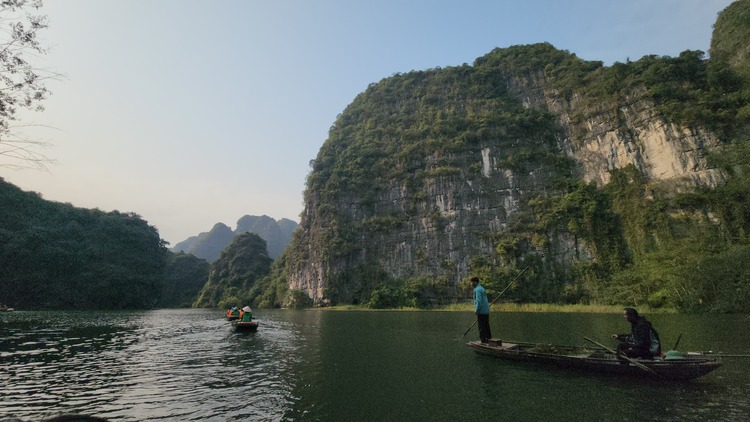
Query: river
[[314, 365]]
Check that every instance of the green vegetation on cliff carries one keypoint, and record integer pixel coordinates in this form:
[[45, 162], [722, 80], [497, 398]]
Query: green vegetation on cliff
[[650, 244], [635, 241], [729, 46], [233, 275]]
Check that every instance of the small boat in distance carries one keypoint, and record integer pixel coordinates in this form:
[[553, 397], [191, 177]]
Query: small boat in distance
[[233, 314], [249, 326], [675, 367]]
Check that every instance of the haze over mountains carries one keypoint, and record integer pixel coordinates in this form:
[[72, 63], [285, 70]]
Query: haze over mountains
[[208, 245]]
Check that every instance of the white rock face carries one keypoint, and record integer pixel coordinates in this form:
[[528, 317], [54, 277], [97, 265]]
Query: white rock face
[[632, 134], [451, 218]]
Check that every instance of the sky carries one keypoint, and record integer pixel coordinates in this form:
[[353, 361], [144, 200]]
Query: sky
[[189, 113]]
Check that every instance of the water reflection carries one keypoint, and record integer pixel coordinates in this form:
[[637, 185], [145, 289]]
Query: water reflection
[[322, 365], [143, 366]]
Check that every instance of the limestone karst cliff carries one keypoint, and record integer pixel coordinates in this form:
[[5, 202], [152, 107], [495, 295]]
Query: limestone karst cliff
[[508, 162]]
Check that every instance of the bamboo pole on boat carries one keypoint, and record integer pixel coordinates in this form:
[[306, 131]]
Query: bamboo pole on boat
[[634, 362], [498, 297], [718, 355]]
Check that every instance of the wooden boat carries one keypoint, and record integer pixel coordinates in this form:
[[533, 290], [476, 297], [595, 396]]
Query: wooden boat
[[250, 326], [684, 367], [232, 317]]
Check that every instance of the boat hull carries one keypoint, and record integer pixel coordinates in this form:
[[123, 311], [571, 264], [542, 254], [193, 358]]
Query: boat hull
[[597, 362], [250, 326]]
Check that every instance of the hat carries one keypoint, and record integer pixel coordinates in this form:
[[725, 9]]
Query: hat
[[631, 312], [247, 309]]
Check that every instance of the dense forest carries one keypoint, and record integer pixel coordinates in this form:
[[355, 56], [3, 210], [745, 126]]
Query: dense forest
[[57, 256]]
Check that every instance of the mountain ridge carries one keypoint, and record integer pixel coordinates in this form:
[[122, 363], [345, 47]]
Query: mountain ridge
[[209, 245]]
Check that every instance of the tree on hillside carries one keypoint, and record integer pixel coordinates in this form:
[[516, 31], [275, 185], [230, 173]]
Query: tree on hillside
[[184, 277], [233, 275], [21, 83]]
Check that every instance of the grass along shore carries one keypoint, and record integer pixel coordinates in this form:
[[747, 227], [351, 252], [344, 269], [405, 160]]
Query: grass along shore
[[512, 307]]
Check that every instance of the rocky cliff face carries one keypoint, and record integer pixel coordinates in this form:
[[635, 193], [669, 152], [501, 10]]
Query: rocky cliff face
[[436, 229], [633, 133], [277, 234], [424, 172]]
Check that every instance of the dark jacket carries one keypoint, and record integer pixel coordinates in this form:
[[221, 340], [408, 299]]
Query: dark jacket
[[643, 340]]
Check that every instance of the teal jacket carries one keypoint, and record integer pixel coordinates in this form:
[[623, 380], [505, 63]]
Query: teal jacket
[[481, 305]]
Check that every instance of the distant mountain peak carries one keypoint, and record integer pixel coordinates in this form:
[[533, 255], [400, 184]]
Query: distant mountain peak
[[209, 245]]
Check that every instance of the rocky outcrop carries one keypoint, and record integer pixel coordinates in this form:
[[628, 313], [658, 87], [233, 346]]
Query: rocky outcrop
[[633, 133], [437, 227], [424, 172], [277, 234]]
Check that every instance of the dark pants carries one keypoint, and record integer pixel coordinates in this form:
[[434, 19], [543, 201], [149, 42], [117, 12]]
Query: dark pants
[[483, 322], [632, 352]]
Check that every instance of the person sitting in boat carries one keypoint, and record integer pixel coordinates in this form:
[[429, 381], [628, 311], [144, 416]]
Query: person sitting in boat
[[642, 342], [246, 314], [233, 312]]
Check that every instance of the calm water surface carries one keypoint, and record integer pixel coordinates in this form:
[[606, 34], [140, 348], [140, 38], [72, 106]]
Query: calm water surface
[[343, 366]]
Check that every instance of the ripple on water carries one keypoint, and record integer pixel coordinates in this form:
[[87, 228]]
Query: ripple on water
[[144, 366]]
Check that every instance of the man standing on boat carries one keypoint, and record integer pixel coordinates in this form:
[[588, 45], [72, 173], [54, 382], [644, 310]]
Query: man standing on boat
[[643, 340], [482, 309]]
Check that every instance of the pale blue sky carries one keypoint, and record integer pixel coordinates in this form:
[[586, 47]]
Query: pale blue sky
[[191, 112]]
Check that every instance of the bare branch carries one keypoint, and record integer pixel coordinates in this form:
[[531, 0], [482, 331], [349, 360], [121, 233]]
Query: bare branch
[[21, 84]]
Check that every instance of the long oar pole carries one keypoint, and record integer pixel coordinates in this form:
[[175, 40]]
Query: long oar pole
[[498, 297], [677, 342], [718, 355], [636, 363]]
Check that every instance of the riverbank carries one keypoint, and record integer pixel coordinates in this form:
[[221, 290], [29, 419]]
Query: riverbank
[[513, 307]]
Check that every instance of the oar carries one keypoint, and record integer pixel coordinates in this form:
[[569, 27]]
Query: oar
[[634, 362], [677, 342], [498, 297], [720, 355]]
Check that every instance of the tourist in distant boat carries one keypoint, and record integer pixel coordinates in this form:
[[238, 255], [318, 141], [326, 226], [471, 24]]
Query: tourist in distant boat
[[246, 314], [482, 309], [643, 340], [233, 312]]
